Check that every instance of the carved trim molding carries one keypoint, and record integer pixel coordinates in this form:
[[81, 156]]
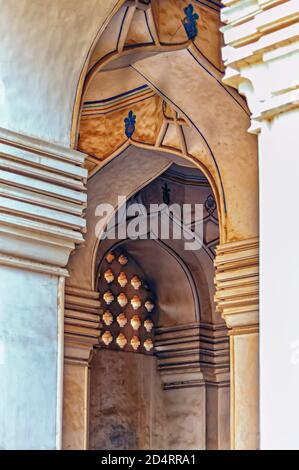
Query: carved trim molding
[[261, 53], [193, 355], [237, 283], [42, 199], [81, 324]]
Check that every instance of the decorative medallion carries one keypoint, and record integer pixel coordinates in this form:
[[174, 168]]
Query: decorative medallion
[[148, 325], [135, 282], [107, 338], [149, 306], [122, 299], [210, 204], [122, 279], [122, 320], [108, 297], [135, 343], [190, 22], [110, 257], [148, 344], [121, 340], [135, 322], [136, 302], [109, 276], [122, 259], [130, 122], [107, 318]]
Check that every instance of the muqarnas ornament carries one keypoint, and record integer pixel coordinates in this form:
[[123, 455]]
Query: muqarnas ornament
[[135, 282], [149, 306], [107, 318], [135, 343], [122, 299], [122, 259], [135, 322], [148, 344], [122, 279], [109, 276], [108, 297], [148, 325], [122, 320], [107, 338], [110, 257], [121, 340], [136, 302]]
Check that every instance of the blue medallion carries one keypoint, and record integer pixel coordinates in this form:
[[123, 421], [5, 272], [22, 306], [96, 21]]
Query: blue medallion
[[190, 22], [130, 122]]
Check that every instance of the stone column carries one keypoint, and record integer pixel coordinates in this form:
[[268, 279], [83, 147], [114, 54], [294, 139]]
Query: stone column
[[81, 333], [42, 198], [237, 300], [262, 62]]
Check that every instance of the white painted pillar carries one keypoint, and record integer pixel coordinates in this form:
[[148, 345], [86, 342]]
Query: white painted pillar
[[262, 60], [42, 198]]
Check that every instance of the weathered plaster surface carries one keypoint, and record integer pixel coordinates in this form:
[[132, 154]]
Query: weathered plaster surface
[[41, 58], [126, 402]]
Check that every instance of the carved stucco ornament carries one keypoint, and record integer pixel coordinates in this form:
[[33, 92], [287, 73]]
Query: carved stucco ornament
[[148, 344], [149, 306], [135, 282], [108, 297], [109, 276], [136, 302], [121, 340], [122, 279], [130, 122], [107, 338], [135, 343], [135, 322], [110, 257], [122, 320], [107, 318], [122, 299], [148, 325], [122, 259]]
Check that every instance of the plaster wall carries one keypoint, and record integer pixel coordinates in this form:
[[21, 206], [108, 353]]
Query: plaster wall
[[42, 55], [130, 410], [126, 411], [28, 359]]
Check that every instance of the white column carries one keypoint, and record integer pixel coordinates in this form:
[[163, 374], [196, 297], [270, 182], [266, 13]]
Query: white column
[[42, 198], [262, 60]]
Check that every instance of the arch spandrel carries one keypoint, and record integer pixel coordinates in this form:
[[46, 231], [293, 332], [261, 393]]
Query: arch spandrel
[[222, 121]]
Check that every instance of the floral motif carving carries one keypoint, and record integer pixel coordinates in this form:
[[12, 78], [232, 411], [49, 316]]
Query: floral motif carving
[[122, 299], [107, 318], [122, 279], [107, 338], [108, 297], [135, 342], [135, 322], [121, 340], [136, 302]]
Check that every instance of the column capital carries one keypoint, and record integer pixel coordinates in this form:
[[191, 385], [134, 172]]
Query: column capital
[[42, 199], [237, 284], [261, 53], [81, 324]]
